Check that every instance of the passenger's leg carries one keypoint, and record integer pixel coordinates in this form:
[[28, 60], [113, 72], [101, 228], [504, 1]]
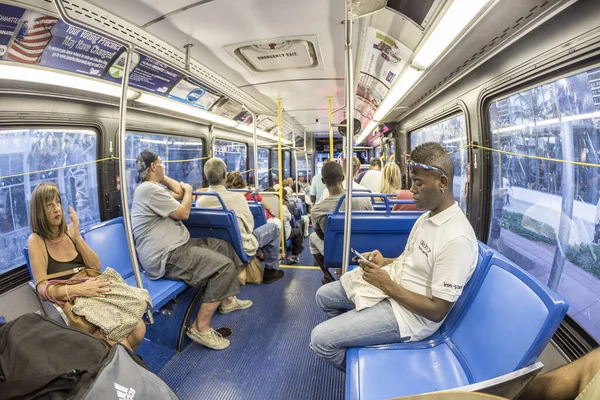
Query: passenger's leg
[[372, 326], [332, 299], [135, 338], [317, 249], [296, 236], [306, 220], [268, 237], [565, 382]]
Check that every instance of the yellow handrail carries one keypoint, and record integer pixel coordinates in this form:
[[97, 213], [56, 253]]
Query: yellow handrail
[[279, 164]]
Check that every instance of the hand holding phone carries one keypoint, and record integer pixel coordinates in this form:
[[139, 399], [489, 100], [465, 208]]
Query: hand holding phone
[[360, 256]]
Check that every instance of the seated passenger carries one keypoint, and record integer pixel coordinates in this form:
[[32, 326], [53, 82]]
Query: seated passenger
[[405, 195], [266, 237], [578, 380], [391, 181], [412, 294], [332, 178], [355, 186], [235, 180], [55, 247], [166, 250], [292, 233], [372, 178]]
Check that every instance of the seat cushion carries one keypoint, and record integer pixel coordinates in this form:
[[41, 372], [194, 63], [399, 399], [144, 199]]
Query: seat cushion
[[161, 290], [374, 374]]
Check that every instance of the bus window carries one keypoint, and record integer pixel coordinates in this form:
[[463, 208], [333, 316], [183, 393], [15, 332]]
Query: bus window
[[275, 167], [51, 152], [301, 166], [263, 169], [546, 213], [181, 157], [287, 164], [233, 153], [451, 133]]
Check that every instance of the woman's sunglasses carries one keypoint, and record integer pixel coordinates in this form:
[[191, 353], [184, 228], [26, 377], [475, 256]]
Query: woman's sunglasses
[[411, 165]]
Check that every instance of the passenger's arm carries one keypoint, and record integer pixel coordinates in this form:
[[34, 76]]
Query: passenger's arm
[[434, 309], [174, 187], [182, 212], [313, 198], [90, 258], [38, 259]]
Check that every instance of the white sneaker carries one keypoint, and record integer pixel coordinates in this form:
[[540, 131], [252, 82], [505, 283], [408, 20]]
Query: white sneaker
[[236, 304], [211, 339]]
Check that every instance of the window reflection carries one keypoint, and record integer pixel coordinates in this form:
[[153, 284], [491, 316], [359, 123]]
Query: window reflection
[[32, 150], [546, 213], [275, 166], [263, 168], [452, 135], [179, 154]]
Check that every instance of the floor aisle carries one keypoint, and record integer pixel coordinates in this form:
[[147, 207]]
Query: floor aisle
[[269, 357]]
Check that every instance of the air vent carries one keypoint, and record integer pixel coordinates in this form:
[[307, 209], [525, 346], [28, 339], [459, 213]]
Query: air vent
[[278, 54]]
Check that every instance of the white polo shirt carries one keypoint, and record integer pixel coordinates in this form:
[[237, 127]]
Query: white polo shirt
[[438, 261]]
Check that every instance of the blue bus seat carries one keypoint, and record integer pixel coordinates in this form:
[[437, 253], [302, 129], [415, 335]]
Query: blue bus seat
[[217, 223], [256, 207], [494, 331], [385, 231]]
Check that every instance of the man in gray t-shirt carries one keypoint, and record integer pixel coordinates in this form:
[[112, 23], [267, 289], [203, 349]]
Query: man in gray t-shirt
[[165, 248], [333, 176]]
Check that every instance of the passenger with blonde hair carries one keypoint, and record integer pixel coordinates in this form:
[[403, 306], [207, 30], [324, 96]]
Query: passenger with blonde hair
[[56, 247], [391, 181]]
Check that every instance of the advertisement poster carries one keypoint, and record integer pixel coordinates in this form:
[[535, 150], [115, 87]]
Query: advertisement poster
[[46, 41], [146, 74], [384, 57], [9, 20], [193, 94], [228, 109], [371, 89]]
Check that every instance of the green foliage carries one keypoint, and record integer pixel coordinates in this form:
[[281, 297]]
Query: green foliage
[[527, 227], [586, 256]]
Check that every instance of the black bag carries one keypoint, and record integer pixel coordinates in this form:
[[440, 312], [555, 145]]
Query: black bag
[[42, 359]]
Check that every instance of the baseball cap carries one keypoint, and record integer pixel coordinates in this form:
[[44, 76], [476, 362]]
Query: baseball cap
[[143, 161]]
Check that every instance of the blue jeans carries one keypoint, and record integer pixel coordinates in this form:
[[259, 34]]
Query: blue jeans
[[371, 326], [269, 240]]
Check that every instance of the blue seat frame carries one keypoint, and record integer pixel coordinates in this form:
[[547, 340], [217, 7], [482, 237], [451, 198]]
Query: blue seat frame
[[491, 331], [385, 231]]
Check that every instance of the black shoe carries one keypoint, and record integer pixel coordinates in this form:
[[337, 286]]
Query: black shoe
[[272, 275], [327, 279], [225, 331]]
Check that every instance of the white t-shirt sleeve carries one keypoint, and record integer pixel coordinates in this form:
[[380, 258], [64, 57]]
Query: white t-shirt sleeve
[[453, 267], [162, 203]]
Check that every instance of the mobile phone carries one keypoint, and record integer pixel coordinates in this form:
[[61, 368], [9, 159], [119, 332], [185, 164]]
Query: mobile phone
[[359, 255]]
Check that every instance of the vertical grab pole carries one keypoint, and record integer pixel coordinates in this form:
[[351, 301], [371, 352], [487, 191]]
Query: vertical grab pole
[[349, 138], [280, 172], [123, 168], [329, 99], [294, 150]]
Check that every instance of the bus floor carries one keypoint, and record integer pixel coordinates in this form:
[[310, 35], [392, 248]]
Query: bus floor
[[269, 356]]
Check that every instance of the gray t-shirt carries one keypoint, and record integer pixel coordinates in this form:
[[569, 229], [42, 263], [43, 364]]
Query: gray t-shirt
[[319, 212], [155, 233]]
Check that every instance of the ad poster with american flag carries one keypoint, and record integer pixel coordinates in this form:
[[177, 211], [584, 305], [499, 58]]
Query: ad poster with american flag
[[44, 40]]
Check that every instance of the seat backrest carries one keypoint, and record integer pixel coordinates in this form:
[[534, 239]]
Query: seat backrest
[[507, 323], [471, 288], [382, 230], [256, 208], [26, 255], [216, 223], [272, 200], [109, 242]]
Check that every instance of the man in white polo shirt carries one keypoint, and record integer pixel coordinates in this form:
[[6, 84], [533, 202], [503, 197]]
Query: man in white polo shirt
[[389, 299]]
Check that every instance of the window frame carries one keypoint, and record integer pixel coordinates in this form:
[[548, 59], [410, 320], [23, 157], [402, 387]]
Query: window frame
[[573, 331], [18, 276]]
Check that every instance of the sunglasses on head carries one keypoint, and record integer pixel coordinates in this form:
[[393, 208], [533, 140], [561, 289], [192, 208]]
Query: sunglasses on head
[[411, 165]]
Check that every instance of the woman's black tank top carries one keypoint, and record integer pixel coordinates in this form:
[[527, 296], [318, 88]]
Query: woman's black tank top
[[60, 266]]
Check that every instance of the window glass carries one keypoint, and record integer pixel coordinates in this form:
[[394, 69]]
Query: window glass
[[233, 153], [263, 168], [180, 156], [287, 164], [452, 135], [546, 213], [275, 166], [31, 150], [301, 165]]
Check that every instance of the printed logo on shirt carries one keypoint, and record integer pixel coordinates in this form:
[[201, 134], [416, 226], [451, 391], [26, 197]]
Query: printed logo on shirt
[[124, 393], [450, 285], [424, 247]]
